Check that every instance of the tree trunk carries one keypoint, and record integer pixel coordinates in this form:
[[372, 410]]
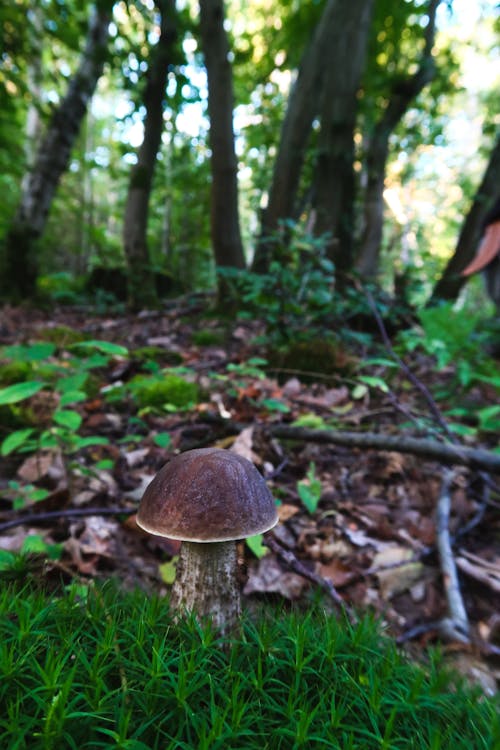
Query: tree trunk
[[334, 188], [141, 280], [225, 225], [21, 263], [303, 107], [400, 98], [451, 282]]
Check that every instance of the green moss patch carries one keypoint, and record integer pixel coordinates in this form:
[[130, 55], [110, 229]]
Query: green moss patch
[[101, 668]]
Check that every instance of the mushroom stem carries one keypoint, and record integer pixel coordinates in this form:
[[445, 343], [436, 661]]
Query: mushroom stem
[[206, 584]]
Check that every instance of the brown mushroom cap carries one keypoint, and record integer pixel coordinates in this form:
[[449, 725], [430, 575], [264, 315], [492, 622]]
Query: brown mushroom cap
[[207, 495]]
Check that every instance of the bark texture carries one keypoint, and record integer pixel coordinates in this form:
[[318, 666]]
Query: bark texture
[[303, 107], [402, 94], [334, 187], [141, 281], [206, 584], [225, 225], [21, 263], [451, 282]]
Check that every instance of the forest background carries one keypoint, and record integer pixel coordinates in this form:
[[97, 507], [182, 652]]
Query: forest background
[[371, 130]]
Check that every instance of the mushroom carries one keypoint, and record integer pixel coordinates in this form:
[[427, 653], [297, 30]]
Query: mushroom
[[208, 498]]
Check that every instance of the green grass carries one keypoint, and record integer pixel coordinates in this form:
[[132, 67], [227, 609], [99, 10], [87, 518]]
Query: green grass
[[108, 669]]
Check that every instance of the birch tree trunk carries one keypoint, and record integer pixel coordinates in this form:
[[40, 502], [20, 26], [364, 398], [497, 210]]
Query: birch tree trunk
[[400, 98], [334, 187], [141, 280], [451, 282], [52, 159], [225, 224]]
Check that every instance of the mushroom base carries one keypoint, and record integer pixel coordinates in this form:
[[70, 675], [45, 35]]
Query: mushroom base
[[206, 584]]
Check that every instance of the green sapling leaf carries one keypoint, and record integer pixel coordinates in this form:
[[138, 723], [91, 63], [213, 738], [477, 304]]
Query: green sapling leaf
[[19, 391]]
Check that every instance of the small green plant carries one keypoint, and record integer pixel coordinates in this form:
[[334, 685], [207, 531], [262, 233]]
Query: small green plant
[[25, 494], [294, 296], [452, 337], [310, 489], [57, 426]]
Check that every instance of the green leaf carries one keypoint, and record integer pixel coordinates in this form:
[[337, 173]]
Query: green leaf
[[274, 404], [310, 489], [7, 559], [30, 353], [74, 382], [72, 397], [85, 442], [70, 419], [168, 570], [15, 440], [359, 391], [107, 347], [105, 465], [308, 496], [378, 361], [19, 391], [162, 439], [254, 543], [312, 421], [374, 382]]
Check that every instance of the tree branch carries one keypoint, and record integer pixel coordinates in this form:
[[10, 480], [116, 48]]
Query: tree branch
[[474, 458]]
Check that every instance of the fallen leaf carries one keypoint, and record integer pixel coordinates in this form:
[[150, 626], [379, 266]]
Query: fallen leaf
[[242, 446], [269, 578], [44, 465], [336, 571]]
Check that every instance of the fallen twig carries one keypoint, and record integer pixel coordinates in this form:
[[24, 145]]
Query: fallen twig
[[474, 458], [291, 561], [456, 608], [35, 518]]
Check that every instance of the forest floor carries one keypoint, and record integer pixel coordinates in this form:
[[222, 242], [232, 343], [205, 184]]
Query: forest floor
[[359, 524]]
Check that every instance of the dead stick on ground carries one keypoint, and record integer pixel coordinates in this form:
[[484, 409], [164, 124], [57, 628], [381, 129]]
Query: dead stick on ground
[[291, 561], [474, 458], [457, 625]]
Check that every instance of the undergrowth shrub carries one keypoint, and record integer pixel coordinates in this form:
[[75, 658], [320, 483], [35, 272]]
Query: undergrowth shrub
[[294, 296]]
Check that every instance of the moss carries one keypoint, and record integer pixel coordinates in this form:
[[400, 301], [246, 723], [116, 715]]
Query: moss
[[157, 353], [170, 389], [207, 337], [323, 356], [15, 372], [61, 336]]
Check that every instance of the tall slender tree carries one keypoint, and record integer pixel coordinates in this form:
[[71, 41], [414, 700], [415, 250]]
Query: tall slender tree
[[303, 107], [326, 87], [334, 185], [141, 281], [225, 223], [52, 159], [402, 92]]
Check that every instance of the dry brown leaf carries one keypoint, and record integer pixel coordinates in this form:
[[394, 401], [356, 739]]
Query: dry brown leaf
[[286, 511], [336, 571], [267, 577], [242, 446], [43, 465]]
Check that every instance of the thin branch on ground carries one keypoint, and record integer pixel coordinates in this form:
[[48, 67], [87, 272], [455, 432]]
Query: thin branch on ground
[[34, 518], [474, 458], [423, 390], [294, 564], [456, 608]]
